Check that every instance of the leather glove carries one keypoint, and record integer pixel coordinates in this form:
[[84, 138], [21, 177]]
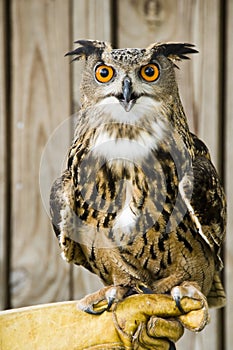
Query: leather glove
[[138, 322], [147, 321]]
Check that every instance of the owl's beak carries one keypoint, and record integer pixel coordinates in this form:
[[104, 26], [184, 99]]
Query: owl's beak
[[127, 99]]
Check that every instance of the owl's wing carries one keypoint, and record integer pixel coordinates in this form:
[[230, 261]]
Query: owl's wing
[[63, 219], [205, 199], [207, 209], [208, 199]]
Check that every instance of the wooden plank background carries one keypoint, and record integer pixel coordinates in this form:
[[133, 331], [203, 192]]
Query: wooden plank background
[[45, 92], [40, 102], [3, 163], [228, 162]]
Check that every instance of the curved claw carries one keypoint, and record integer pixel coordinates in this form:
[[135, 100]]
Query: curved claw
[[172, 346], [95, 308], [186, 289], [194, 320], [102, 300], [90, 310], [177, 299], [110, 302], [142, 288]]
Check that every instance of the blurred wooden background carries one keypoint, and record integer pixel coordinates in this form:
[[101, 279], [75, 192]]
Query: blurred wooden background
[[39, 91]]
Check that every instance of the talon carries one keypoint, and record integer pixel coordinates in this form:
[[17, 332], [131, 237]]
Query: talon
[[172, 346], [110, 302], [146, 290], [102, 300], [142, 288], [177, 296], [92, 308], [194, 320], [178, 304], [89, 310], [111, 296]]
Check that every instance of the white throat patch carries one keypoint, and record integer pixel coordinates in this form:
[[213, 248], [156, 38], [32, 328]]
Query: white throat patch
[[112, 147], [143, 106]]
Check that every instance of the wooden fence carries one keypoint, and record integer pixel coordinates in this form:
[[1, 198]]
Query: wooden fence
[[39, 91]]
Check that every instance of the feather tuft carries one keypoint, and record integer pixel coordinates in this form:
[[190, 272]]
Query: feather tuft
[[87, 48], [173, 51]]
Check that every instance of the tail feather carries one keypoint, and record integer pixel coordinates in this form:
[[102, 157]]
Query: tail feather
[[216, 297]]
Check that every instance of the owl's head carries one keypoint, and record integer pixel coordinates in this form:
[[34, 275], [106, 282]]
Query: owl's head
[[128, 76]]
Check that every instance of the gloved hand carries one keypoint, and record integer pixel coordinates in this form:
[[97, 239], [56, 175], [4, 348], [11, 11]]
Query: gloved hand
[[142, 321], [147, 321]]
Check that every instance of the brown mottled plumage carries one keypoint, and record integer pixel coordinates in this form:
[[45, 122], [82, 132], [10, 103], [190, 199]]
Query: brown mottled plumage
[[140, 203]]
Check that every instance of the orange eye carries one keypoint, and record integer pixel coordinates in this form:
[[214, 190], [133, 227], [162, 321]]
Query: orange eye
[[150, 72], [104, 73]]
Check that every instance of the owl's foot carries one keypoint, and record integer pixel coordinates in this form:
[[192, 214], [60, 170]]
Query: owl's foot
[[102, 300], [193, 321]]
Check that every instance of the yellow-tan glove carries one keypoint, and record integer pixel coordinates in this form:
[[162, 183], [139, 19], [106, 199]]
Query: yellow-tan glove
[[138, 322], [154, 321]]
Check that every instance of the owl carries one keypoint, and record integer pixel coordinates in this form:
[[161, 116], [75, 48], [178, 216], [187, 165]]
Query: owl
[[140, 203]]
